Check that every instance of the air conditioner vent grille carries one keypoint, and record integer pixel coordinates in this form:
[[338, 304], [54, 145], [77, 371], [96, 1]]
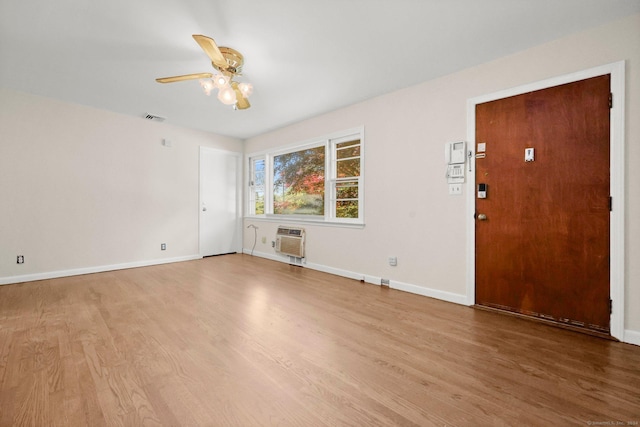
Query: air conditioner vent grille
[[290, 241]]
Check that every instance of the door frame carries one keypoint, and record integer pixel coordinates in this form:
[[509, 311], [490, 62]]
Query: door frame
[[617, 182], [238, 158]]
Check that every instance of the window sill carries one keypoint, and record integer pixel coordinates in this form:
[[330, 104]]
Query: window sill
[[307, 221]]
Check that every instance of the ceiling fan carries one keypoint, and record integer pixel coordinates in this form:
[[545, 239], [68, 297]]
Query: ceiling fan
[[229, 63]]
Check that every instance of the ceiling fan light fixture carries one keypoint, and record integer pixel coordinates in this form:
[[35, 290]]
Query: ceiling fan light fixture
[[227, 96], [246, 89], [207, 86], [221, 81]]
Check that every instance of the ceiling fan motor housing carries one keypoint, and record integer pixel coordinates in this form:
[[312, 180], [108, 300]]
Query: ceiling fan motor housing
[[234, 59]]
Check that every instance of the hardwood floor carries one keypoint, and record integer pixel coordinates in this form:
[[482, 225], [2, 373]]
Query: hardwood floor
[[238, 340]]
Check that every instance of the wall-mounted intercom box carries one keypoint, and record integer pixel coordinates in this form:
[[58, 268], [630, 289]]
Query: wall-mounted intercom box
[[455, 155]]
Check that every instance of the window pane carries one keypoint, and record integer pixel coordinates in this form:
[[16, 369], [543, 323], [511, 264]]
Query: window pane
[[259, 203], [258, 189], [347, 209], [348, 152], [347, 190], [258, 173], [347, 168], [298, 182], [348, 143]]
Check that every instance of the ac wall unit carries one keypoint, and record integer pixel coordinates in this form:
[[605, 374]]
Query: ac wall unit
[[290, 241]]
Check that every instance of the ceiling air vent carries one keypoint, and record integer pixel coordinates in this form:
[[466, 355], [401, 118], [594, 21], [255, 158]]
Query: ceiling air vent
[[155, 118]]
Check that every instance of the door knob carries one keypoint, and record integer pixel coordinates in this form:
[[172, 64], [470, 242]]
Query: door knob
[[204, 209], [481, 217]]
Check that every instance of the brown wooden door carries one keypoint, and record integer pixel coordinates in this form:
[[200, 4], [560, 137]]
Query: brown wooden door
[[543, 249]]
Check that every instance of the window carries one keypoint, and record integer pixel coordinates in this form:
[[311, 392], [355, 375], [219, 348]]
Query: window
[[317, 181], [298, 182], [257, 185], [346, 179]]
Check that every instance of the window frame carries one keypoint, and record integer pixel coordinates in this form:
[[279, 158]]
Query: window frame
[[270, 169], [334, 179], [330, 142], [252, 199]]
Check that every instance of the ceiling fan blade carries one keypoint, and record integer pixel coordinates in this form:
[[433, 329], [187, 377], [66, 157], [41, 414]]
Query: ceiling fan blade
[[212, 50], [184, 77], [242, 103]]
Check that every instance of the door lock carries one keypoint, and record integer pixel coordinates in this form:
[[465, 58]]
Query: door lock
[[482, 191]]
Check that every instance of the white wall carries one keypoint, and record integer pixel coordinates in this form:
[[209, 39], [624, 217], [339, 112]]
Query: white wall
[[409, 213], [82, 188]]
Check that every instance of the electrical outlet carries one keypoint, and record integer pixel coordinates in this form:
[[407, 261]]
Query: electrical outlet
[[273, 244], [393, 261], [384, 282], [20, 259], [163, 246]]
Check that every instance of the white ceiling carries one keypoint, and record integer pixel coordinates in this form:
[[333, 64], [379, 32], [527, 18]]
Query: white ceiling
[[304, 58]]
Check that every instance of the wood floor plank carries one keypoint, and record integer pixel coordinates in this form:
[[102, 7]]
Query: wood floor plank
[[243, 341]]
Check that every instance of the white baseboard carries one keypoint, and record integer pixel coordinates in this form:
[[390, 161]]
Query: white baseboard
[[428, 292], [335, 271], [631, 337], [374, 280], [318, 267], [89, 270], [406, 287], [272, 257]]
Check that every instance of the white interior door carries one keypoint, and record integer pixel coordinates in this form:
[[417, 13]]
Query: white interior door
[[219, 202]]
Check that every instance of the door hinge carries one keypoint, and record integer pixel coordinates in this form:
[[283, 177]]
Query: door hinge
[[610, 306], [610, 204], [611, 100]]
